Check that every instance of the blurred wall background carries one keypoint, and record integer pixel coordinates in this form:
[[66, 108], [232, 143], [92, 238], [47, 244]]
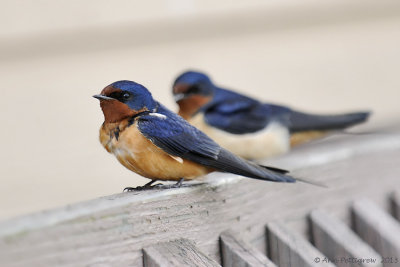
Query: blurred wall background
[[319, 56]]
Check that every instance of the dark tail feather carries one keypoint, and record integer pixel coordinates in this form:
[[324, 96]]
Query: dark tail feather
[[229, 162], [278, 170], [305, 122], [312, 183], [282, 171], [345, 131]]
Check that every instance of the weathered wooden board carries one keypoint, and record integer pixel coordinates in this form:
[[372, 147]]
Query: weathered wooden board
[[237, 253], [286, 248], [180, 252], [112, 230], [339, 243], [378, 229]]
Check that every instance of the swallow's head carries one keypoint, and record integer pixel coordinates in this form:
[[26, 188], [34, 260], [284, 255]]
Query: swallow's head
[[191, 91], [124, 99], [192, 83]]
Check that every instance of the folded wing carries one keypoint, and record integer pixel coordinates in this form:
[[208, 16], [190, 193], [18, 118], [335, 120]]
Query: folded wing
[[178, 138]]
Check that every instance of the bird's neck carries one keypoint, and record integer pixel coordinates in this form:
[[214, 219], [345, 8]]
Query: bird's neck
[[115, 111], [188, 107], [118, 126]]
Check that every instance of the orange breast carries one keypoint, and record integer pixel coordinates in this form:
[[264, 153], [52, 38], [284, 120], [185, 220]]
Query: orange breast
[[140, 155], [190, 105]]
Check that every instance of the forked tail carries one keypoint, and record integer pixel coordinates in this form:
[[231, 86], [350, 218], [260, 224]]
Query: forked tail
[[308, 122]]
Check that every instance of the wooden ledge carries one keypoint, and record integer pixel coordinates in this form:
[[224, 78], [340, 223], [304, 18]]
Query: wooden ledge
[[113, 230]]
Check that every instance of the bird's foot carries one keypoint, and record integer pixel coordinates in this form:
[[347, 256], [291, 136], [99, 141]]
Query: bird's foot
[[169, 186], [147, 186], [150, 185]]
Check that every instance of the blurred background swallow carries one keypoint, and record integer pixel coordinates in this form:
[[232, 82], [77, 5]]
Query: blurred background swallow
[[158, 144], [247, 126]]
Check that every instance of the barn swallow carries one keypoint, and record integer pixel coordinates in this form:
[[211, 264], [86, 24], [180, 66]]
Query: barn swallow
[[246, 126], [156, 143]]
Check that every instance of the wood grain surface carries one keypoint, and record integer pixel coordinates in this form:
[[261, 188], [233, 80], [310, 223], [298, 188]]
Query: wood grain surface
[[176, 253], [235, 252], [338, 242], [113, 230], [378, 229], [287, 248]]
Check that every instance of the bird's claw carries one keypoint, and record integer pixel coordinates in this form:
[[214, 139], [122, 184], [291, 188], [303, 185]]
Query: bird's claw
[[150, 185], [147, 186], [169, 186], [140, 188]]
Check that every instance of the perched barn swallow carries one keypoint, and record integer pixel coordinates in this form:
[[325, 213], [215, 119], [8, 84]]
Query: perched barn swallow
[[248, 127], [156, 143]]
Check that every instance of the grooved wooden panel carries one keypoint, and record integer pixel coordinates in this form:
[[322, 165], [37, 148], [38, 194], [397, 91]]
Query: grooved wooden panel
[[339, 243], [288, 249], [237, 253], [378, 229], [176, 253]]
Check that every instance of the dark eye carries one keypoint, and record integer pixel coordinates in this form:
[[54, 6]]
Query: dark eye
[[193, 90], [126, 96]]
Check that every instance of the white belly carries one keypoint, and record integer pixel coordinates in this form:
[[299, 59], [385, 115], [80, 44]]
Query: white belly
[[271, 141]]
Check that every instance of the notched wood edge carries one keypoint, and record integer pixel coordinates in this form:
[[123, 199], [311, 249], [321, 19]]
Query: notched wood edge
[[180, 252], [336, 234], [232, 245]]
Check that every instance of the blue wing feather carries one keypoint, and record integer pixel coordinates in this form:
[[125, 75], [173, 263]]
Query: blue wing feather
[[239, 114], [177, 137]]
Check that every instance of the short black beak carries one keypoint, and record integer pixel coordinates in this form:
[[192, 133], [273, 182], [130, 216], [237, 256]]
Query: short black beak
[[103, 97]]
